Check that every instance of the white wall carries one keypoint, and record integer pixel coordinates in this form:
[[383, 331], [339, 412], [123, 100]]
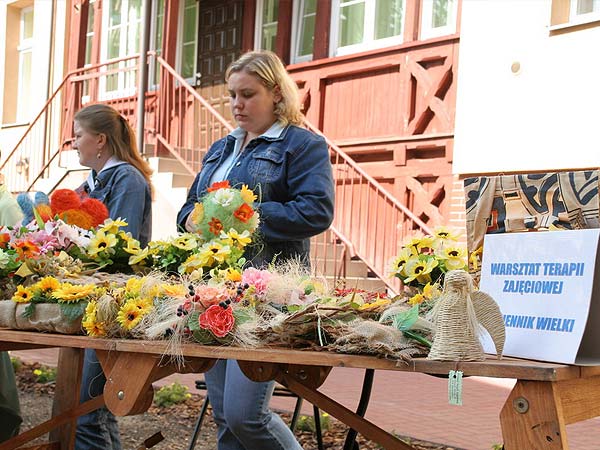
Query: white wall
[[545, 117]]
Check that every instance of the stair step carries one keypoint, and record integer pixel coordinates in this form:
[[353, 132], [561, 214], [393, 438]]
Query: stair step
[[162, 164]]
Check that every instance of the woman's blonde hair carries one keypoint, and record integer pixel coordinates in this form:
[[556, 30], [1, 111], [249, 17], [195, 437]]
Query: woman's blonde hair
[[120, 138], [269, 69]]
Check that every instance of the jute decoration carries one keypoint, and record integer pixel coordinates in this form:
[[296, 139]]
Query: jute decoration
[[459, 314], [46, 317], [7, 314]]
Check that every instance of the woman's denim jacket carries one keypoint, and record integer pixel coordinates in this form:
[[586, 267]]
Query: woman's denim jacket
[[291, 174], [126, 194]]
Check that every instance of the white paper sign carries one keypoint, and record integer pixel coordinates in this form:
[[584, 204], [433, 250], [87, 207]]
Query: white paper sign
[[544, 285]]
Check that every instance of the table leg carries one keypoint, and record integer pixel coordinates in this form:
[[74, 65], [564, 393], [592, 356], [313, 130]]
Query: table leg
[[66, 394], [532, 418]]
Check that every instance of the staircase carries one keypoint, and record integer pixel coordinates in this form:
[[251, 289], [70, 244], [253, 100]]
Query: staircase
[[179, 127]]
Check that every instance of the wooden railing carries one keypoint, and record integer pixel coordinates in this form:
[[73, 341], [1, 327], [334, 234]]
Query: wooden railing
[[369, 224]]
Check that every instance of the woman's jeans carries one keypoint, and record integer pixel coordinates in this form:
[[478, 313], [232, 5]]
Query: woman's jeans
[[97, 430], [241, 411]]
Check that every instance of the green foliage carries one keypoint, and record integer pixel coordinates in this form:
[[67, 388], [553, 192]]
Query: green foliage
[[16, 363], [73, 311], [45, 374], [171, 395], [498, 447], [307, 423]]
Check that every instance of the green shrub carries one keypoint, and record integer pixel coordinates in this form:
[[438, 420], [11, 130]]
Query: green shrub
[[16, 363], [45, 374], [171, 395], [307, 423], [498, 447]]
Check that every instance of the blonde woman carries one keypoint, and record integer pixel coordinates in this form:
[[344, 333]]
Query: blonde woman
[[289, 166]]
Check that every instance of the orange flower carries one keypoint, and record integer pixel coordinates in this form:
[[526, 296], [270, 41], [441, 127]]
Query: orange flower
[[218, 185], [77, 217], [45, 212], [244, 212], [96, 209], [215, 226], [64, 199], [4, 239], [26, 250]]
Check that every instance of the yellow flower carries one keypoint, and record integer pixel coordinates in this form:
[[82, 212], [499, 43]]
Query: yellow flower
[[443, 234], [174, 290], [132, 247], [112, 226], [47, 284], [139, 257], [419, 269], [68, 292], [129, 315], [92, 327], [476, 257], [134, 286], [400, 262], [101, 242], [23, 295], [416, 299], [186, 241], [456, 257], [374, 305], [233, 275], [235, 238], [144, 304], [213, 252], [431, 291], [247, 194], [37, 372], [153, 291], [91, 308], [194, 262], [197, 213], [413, 245]]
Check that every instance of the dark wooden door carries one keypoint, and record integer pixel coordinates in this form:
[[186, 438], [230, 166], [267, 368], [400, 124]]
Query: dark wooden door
[[219, 43]]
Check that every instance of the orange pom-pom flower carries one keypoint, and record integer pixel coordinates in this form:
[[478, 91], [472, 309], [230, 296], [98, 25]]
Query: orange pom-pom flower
[[96, 209], [45, 212], [63, 200], [77, 217]]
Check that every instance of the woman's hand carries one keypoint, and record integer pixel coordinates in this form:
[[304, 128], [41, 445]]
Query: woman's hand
[[189, 226]]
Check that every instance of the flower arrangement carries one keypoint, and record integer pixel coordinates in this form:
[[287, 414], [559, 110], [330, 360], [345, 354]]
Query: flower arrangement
[[110, 247], [72, 298], [423, 261], [225, 208]]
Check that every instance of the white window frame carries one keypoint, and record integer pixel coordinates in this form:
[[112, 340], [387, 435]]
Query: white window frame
[[575, 18], [25, 47], [179, 58], [297, 23], [258, 25], [153, 84], [369, 43], [427, 31], [122, 90]]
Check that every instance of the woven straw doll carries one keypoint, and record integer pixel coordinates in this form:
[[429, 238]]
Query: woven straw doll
[[459, 314]]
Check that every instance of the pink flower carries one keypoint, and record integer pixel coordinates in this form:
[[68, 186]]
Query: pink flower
[[258, 278], [209, 295], [219, 321]]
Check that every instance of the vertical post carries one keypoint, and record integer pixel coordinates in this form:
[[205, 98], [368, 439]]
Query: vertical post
[[143, 72]]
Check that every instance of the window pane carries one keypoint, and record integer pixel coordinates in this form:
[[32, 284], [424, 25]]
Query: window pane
[[388, 18], [268, 37], [270, 11], [114, 37], [352, 24], [88, 49], [160, 16], [189, 25], [187, 60], [135, 10], [307, 36], [439, 17], [114, 13], [90, 21], [27, 24]]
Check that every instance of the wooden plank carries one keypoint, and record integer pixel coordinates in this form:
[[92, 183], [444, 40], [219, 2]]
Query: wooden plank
[[66, 393], [504, 368], [364, 427], [45, 427], [580, 398], [48, 446], [532, 418]]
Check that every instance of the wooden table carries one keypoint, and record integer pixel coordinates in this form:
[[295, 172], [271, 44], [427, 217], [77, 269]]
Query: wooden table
[[545, 399]]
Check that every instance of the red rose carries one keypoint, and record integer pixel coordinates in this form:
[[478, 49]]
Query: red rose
[[218, 320]]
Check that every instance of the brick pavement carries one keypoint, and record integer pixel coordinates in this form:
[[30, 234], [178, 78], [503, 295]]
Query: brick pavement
[[395, 407]]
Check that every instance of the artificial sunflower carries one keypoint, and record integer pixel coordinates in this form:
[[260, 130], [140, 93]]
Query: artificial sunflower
[[23, 295], [247, 194], [239, 240], [68, 293], [101, 242], [112, 226], [47, 284], [93, 327], [129, 315]]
